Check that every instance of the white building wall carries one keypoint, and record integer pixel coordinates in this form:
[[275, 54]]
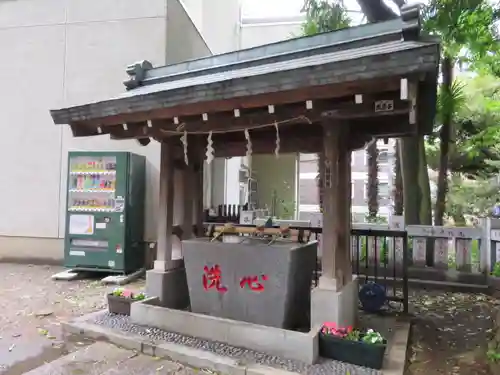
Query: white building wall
[[221, 24], [64, 52], [256, 34]]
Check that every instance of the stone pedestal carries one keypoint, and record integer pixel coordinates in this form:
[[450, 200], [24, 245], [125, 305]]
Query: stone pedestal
[[169, 286], [337, 306]]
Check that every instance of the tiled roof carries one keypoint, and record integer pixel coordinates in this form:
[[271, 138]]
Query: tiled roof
[[365, 52]]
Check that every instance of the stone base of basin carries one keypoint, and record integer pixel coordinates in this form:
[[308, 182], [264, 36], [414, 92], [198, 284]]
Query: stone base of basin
[[280, 342], [169, 286], [255, 281]]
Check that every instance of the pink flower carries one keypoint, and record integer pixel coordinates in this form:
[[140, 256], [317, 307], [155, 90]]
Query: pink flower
[[127, 294], [332, 329]]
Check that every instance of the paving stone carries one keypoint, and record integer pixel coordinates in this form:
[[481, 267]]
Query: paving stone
[[91, 360], [139, 364]]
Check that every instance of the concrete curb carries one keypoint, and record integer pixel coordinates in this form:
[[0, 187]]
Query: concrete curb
[[395, 361], [179, 353]]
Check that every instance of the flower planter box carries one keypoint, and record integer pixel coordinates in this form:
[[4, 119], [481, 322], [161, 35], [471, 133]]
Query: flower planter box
[[494, 282], [353, 352], [119, 305]]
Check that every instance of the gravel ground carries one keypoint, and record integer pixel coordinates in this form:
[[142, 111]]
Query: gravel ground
[[450, 332], [30, 300], [32, 306]]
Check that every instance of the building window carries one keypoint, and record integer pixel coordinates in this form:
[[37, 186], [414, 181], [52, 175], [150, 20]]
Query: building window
[[383, 190], [383, 157]]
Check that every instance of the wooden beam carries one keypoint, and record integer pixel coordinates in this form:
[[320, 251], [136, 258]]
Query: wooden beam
[[331, 91], [285, 116], [307, 111]]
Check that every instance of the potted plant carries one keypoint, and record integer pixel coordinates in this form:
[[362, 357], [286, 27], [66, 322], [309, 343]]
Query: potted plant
[[358, 347], [119, 300]]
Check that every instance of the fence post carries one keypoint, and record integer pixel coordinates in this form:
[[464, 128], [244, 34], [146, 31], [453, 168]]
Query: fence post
[[485, 245], [395, 246], [494, 235]]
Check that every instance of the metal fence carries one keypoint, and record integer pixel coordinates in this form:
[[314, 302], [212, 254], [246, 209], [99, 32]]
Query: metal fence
[[378, 256]]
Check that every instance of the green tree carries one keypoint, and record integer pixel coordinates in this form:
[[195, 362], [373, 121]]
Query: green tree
[[372, 185], [475, 161], [397, 192], [476, 117], [468, 34], [323, 16], [467, 30]]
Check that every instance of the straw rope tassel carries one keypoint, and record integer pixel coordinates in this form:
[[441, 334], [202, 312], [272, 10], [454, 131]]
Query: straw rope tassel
[[277, 149], [210, 149], [184, 140]]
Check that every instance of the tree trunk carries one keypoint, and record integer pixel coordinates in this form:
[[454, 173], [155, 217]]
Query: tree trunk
[[372, 185], [425, 209], [444, 138], [409, 171], [398, 183]]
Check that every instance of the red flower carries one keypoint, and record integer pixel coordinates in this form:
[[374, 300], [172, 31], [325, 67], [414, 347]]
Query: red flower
[[330, 328]]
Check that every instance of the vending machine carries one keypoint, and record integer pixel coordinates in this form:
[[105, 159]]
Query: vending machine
[[105, 212]]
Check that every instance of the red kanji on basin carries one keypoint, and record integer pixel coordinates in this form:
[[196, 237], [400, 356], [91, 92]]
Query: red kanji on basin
[[253, 283], [212, 278]]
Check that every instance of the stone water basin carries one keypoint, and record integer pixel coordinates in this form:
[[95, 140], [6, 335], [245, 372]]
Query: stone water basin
[[253, 281]]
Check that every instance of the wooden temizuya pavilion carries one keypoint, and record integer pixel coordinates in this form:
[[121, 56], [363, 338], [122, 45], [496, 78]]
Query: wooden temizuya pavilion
[[329, 93]]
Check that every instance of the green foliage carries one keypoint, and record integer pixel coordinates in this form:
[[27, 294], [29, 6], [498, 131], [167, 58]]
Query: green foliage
[[496, 270], [493, 356], [323, 16], [469, 37], [372, 337], [474, 104], [471, 198], [467, 30], [125, 293], [354, 335], [377, 219]]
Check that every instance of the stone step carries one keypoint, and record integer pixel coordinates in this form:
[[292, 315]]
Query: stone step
[[106, 359]]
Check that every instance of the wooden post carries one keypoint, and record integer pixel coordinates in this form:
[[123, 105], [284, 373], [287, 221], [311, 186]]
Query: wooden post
[[336, 257], [163, 260], [198, 187], [188, 197]]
